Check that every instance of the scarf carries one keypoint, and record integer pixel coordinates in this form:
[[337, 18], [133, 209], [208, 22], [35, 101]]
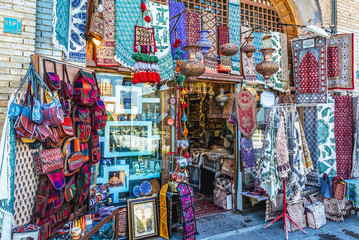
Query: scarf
[[355, 161], [307, 159], [234, 23], [281, 148], [163, 212]]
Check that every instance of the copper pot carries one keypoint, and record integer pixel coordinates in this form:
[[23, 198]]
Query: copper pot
[[267, 67], [192, 68], [228, 49], [249, 48]]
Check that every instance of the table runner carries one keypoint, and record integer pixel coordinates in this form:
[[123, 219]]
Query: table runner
[[343, 132], [193, 26], [105, 52], [234, 23], [353, 191], [340, 63], [69, 19], [246, 113], [187, 203], [249, 72], [309, 59], [179, 30], [209, 24], [355, 162]]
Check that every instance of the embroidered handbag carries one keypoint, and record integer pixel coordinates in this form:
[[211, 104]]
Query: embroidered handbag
[[70, 188], [339, 188], [72, 155], [316, 215], [65, 129], [52, 79], [82, 123], [48, 160], [36, 114], [99, 111], [83, 180], [94, 147], [325, 187], [43, 132], [53, 140], [29, 231], [67, 90], [85, 151], [85, 91]]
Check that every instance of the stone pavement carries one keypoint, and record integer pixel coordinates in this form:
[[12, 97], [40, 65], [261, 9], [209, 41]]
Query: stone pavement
[[231, 225]]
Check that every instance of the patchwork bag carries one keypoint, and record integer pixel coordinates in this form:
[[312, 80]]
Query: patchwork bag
[[52, 79], [83, 180], [67, 90], [70, 188], [82, 123], [339, 188], [316, 215], [43, 132], [72, 155], [48, 160], [29, 231], [86, 91], [325, 187], [94, 147], [66, 129], [45, 227], [99, 111], [53, 140], [85, 151]]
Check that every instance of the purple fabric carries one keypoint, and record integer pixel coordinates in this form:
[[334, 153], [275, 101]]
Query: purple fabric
[[247, 153], [187, 202], [180, 28]]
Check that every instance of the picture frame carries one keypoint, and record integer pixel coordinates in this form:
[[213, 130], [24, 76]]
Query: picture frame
[[143, 211], [128, 99]]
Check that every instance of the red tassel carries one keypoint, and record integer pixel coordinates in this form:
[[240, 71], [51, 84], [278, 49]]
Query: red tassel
[[155, 49], [134, 48], [141, 77], [158, 78], [148, 76], [184, 105], [135, 78], [153, 75], [148, 19], [143, 7]]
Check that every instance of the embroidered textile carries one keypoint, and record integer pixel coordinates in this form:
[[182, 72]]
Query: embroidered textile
[[187, 203], [326, 141], [209, 24], [340, 63], [223, 35], [163, 212], [335, 209], [353, 192], [296, 213], [355, 161], [180, 29], [69, 18], [105, 52], [234, 23], [307, 159], [281, 148], [309, 59], [249, 72], [193, 26], [343, 133], [246, 113], [274, 208], [247, 154]]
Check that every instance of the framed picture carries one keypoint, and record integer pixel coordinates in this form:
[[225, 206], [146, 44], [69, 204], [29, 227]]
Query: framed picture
[[142, 218], [129, 99]]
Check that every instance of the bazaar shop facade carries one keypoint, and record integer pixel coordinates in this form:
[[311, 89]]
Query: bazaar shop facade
[[139, 122]]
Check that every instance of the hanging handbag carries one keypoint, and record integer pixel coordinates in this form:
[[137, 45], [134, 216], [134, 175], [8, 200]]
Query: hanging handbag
[[36, 105], [70, 188], [325, 187], [72, 155], [339, 188], [53, 140], [99, 110], [43, 132], [48, 160], [52, 79], [65, 129], [67, 89], [29, 231]]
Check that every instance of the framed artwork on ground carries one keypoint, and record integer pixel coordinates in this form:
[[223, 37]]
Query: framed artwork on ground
[[142, 218]]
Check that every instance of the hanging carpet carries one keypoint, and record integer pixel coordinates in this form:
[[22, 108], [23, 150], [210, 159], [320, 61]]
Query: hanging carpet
[[249, 72], [193, 26], [355, 161], [187, 203], [178, 24], [309, 59], [246, 113], [209, 24], [223, 35], [247, 154], [234, 23]]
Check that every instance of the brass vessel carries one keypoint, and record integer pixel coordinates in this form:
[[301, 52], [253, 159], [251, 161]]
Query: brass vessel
[[228, 49], [249, 48], [192, 68], [267, 67]]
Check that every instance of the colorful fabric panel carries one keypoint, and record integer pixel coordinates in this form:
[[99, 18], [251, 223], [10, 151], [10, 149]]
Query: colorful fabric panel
[[187, 202], [234, 23], [179, 31]]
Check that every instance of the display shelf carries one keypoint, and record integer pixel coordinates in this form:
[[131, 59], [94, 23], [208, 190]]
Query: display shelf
[[144, 176]]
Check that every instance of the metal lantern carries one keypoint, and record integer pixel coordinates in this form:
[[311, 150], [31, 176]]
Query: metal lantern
[[228, 49], [221, 98], [204, 42], [267, 67], [249, 48], [192, 68], [210, 93]]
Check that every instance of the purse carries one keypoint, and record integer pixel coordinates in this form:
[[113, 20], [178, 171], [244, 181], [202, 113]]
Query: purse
[[66, 86], [43, 132], [52, 79], [48, 160], [325, 187], [29, 231], [65, 129], [36, 105], [339, 188], [53, 140]]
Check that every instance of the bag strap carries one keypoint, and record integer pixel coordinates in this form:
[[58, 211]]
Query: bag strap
[[23, 81], [43, 85], [67, 75]]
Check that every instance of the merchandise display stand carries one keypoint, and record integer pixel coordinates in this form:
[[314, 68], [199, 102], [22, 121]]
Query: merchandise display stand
[[285, 215]]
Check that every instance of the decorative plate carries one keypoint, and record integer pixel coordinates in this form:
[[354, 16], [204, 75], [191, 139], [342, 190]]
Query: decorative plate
[[136, 191], [146, 187]]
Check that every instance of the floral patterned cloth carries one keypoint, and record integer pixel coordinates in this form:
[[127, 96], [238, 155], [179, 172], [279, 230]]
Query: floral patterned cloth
[[247, 154], [246, 113], [234, 23], [307, 159], [355, 161], [249, 72], [281, 148], [180, 28]]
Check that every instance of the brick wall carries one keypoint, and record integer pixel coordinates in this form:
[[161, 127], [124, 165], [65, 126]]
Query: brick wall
[[15, 49]]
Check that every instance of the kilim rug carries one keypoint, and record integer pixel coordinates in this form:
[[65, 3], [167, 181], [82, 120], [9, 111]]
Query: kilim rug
[[343, 132], [234, 23], [189, 220], [258, 57], [326, 141], [246, 113], [355, 161], [249, 71], [193, 26], [178, 26], [296, 211], [247, 154], [309, 60], [209, 24], [204, 207], [163, 212], [69, 19], [223, 34], [105, 52], [340, 63]]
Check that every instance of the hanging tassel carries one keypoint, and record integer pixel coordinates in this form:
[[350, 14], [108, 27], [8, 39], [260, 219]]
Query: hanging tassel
[[149, 77], [135, 78]]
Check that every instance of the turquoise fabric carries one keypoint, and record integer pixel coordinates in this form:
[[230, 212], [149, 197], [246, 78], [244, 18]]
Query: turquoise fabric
[[235, 32]]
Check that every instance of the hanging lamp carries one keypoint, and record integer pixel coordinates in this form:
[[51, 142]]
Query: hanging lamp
[[228, 49], [267, 67], [249, 48], [204, 42]]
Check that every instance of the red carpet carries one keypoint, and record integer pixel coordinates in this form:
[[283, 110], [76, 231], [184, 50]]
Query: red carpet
[[204, 207]]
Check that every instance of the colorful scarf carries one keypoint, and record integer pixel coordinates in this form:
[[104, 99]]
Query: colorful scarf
[[163, 212], [187, 203], [249, 72], [343, 133], [69, 18], [307, 159], [340, 63], [326, 142], [352, 191], [246, 113], [281, 148], [105, 52], [193, 26], [209, 24], [234, 23], [309, 59], [179, 30], [355, 162], [247, 154]]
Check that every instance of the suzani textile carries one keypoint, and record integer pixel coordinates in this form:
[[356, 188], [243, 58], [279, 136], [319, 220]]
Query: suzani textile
[[247, 154], [179, 31], [234, 23], [187, 202], [355, 162], [105, 53], [340, 65], [69, 19], [249, 71], [326, 141], [353, 192], [127, 13], [309, 59], [193, 26], [209, 24], [246, 113], [343, 135], [281, 148], [163, 212]]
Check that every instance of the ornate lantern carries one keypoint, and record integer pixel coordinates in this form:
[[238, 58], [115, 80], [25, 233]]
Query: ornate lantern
[[267, 67], [221, 98], [228, 49], [204, 42], [210, 93], [192, 68], [249, 48]]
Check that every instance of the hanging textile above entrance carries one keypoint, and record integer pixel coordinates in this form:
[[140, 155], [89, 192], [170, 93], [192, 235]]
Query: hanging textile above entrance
[[249, 72], [235, 32], [178, 26], [309, 59], [193, 26], [209, 24], [247, 114]]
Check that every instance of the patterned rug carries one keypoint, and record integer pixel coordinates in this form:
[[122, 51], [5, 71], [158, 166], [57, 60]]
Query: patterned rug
[[309, 59], [246, 113], [340, 62], [179, 30], [343, 132], [249, 72], [69, 19], [189, 220], [193, 26], [223, 34], [204, 207], [209, 24], [105, 52], [326, 141], [247, 154], [355, 162], [234, 23]]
